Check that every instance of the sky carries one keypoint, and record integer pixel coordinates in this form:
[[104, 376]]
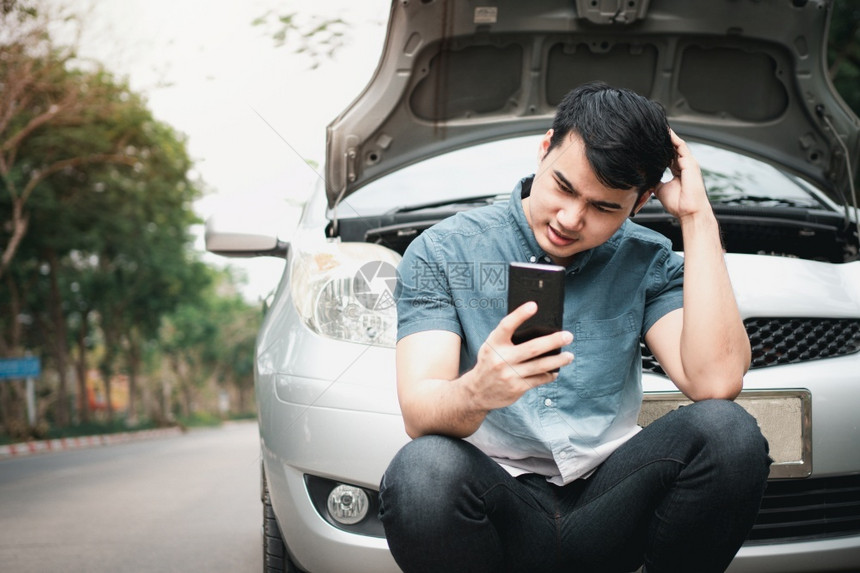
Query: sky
[[252, 112]]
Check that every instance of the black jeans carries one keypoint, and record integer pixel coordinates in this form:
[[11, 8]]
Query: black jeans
[[680, 496]]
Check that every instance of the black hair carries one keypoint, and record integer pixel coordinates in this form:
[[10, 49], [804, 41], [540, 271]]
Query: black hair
[[626, 135]]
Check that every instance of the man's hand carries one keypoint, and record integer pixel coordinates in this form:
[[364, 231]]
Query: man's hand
[[684, 195], [434, 400], [505, 371]]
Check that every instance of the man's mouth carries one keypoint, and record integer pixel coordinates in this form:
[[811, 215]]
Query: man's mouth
[[559, 239]]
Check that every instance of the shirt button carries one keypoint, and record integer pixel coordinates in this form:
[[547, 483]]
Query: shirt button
[[563, 455], [547, 403], [532, 259]]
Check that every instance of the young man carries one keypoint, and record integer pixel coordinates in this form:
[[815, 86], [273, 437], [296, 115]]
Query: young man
[[517, 467]]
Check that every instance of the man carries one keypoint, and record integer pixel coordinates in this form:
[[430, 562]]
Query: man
[[517, 467]]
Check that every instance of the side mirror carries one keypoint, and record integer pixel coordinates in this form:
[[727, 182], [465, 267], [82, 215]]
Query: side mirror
[[238, 241]]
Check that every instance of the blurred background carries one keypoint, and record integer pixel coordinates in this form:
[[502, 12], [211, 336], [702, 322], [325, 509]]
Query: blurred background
[[124, 124]]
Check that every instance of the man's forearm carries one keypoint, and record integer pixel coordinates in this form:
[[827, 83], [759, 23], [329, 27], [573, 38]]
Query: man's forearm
[[715, 351], [451, 413]]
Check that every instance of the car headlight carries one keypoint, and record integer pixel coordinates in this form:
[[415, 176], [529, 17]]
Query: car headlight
[[346, 291]]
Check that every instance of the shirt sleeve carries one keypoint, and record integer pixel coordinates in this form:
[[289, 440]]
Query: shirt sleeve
[[665, 292], [424, 300]]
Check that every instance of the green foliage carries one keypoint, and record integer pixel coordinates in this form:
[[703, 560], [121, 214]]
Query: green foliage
[[212, 337], [95, 218], [315, 36], [844, 51], [20, 10], [94, 428], [44, 431], [200, 420], [56, 122]]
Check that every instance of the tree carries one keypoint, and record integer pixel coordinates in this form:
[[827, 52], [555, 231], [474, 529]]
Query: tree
[[95, 203], [43, 103], [212, 339], [146, 266]]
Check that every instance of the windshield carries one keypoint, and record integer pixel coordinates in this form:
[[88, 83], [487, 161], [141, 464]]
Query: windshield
[[477, 171], [737, 179], [494, 168]]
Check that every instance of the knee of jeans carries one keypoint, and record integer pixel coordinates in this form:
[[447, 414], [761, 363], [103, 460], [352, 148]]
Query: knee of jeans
[[731, 430], [426, 468]]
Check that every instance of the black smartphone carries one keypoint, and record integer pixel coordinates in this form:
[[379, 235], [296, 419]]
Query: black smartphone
[[543, 284]]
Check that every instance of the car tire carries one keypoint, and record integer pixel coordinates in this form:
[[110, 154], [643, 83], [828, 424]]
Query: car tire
[[275, 556]]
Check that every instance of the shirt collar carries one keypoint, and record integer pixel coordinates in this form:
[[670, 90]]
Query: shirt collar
[[531, 250]]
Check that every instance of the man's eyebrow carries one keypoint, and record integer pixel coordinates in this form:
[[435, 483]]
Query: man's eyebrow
[[562, 180]]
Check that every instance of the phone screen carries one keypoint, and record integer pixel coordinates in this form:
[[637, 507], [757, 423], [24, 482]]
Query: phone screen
[[543, 284]]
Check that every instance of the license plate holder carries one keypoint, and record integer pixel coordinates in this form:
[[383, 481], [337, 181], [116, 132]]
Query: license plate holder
[[784, 416]]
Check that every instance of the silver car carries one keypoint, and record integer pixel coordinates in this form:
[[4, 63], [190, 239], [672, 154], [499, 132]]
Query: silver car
[[449, 122]]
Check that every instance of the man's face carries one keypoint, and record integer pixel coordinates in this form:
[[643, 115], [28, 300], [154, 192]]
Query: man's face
[[569, 210]]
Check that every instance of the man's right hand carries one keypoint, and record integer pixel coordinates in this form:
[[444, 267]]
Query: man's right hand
[[435, 400], [505, 371]]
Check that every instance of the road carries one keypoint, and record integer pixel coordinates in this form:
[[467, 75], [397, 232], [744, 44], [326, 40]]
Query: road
[[183, 503]]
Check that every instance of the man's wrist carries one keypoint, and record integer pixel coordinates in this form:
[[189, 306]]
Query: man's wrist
[[470, 401], [703, 219]]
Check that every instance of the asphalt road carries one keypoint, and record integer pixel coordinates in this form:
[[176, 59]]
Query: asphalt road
[[183, 503]]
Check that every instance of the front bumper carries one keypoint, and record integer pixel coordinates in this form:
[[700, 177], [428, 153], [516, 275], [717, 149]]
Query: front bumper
[[314, 544]]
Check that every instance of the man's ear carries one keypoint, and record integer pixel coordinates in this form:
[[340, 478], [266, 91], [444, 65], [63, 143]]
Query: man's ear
[[543, 148], [641, 200]]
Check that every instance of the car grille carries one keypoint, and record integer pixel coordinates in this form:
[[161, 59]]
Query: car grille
[[808, 509], [789, 340]]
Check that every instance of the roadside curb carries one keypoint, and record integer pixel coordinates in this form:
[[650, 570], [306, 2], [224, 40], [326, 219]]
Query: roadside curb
[[61, 444]]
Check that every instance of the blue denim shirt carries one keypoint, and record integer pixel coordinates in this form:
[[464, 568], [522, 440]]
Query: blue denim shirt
[[454, 277]]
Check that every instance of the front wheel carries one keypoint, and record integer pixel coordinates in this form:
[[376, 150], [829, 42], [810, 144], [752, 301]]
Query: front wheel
[[275, 557]]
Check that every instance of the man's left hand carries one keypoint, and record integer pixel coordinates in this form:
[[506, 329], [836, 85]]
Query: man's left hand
[[684, 195]]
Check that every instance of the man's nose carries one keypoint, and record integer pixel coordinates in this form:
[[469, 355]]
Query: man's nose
[[572, 216]]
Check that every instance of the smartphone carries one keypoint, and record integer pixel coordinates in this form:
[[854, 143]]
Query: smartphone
[[543, 284]]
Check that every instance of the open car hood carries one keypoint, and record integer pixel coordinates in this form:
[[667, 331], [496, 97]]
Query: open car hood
[[745, 75]]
